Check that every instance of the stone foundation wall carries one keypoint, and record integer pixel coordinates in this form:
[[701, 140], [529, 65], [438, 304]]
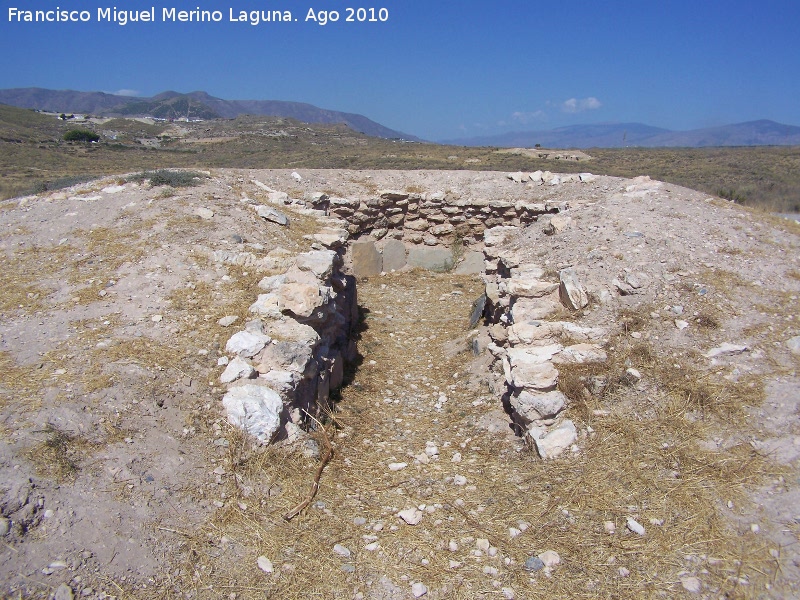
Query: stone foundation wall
[[436, 230], [530, 342], [430, 218], [284, 364], [289, 357]]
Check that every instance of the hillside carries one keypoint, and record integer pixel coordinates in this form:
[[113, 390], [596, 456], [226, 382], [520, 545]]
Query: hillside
[[492, 436], [196, 105], [34, 157]]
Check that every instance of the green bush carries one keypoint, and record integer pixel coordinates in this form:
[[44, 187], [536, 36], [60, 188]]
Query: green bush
[[168, 177], [81, 135], [732, 195]]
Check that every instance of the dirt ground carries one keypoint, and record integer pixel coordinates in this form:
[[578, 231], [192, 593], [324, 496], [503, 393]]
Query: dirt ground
[[120, 476]]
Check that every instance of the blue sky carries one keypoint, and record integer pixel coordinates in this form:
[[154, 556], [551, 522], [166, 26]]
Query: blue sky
[[439, 68]]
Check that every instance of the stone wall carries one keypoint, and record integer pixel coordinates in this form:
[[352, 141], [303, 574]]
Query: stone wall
[[289, 357], [434, 230], [286, 361], [530, 341]]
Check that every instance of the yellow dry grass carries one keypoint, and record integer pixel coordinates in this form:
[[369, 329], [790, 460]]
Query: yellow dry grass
[[650, 461]]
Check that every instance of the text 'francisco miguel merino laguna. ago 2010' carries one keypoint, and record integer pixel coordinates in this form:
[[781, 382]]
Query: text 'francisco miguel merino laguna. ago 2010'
[[173, 15]]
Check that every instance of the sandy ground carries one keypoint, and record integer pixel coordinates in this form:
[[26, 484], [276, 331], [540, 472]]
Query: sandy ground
[[115, 456]]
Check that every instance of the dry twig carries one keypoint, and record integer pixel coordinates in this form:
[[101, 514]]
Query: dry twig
[[315, 485]]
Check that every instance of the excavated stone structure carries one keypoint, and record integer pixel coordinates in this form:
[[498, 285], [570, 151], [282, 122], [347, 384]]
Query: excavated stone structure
[[289, 358]]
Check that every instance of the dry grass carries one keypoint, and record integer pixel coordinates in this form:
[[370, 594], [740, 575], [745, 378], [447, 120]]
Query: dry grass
[[58, 457], [107, 249], [40, 160], [26, 289], [22, 385], [651, 464]]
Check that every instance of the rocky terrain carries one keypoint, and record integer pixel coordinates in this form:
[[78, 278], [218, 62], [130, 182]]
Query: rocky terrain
[[397, 384]]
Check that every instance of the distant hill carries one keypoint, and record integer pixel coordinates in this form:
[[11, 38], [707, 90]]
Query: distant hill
[[620, 135], [197, 105]]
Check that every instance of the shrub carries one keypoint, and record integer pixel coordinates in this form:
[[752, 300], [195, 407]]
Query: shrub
[[168, 177], [732, 195], [57, 184], [81, 135]]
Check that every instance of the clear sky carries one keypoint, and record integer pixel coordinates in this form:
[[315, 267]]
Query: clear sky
[[440, 68]]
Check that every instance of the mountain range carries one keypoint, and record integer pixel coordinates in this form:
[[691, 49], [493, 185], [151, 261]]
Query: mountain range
[[201, 105], [620, 135], [195, 105]]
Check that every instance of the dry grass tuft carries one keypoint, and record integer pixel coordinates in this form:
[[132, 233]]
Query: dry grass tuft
[[707, 320], [59, 456], [635, 319]]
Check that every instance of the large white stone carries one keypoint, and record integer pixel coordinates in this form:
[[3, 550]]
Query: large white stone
[[319, 262], [532, 371], [534, 309], [580, 354], [247, 343], [533, 333], [331, 238], [266, 305], [270, 214], [300, 299], [254, 408], [531, 406], [557, 224], [291, 331], [529, 288], [551, 444], [238, 368], [572, 293], [532, 354]]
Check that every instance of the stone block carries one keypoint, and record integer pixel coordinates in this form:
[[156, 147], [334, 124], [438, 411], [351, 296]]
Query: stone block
[[394, 255], [366, 259]]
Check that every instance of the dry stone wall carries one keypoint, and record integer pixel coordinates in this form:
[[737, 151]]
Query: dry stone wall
[[433, 230], [530, 341], [289, 357]]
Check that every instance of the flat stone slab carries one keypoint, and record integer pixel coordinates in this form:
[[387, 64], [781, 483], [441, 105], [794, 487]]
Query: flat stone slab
[[472, 264], [367, 261], [431, 259], [394, 255]]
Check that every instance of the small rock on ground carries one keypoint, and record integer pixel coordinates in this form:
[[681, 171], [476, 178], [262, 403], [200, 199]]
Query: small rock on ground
[[64, 592], [533, 564], [265, 564], [419, 590]]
